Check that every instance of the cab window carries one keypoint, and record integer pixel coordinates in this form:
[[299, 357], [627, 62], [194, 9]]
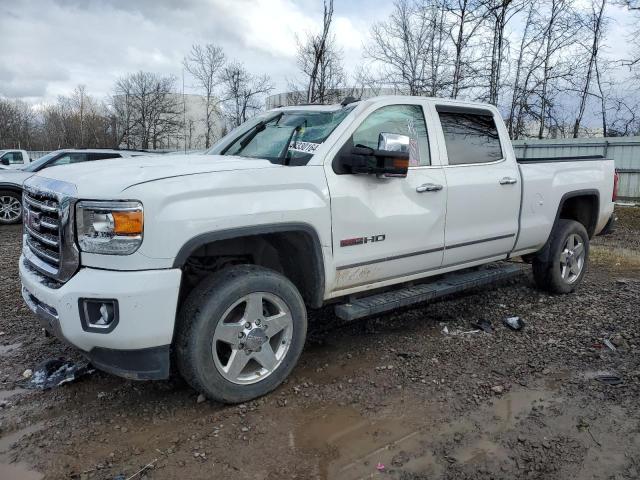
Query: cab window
[[401, 119], [12, 158], [470, 137]]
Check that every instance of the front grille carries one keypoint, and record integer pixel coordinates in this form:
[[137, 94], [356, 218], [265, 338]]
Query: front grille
[[42, 227], [49, 245]]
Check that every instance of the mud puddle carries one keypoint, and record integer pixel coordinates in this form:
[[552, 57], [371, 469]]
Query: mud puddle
[[353, 445], [17, 471]]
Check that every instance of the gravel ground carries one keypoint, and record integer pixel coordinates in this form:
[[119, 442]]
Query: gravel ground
[[388, 397]]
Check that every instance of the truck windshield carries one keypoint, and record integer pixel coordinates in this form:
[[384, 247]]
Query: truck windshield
[[37, 165], [286, 137]]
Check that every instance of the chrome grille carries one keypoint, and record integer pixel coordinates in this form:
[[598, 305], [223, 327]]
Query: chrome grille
[[43, 240], [48, 228]]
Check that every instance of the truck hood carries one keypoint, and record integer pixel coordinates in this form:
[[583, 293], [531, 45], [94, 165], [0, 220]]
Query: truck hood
[[14, 176], [113, 176]]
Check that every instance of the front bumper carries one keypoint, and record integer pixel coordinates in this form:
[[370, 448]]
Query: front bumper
[[138, 347]]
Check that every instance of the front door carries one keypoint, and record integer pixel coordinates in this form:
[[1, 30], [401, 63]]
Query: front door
[[387, 228]]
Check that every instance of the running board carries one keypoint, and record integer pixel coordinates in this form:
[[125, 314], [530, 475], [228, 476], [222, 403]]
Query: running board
[[445, 285]]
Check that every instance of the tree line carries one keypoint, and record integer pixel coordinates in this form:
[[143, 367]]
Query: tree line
[[540, 61]]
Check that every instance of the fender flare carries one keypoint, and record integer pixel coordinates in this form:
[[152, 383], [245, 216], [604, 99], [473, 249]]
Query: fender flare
[[317, 297], [14, 187], [543, 254]]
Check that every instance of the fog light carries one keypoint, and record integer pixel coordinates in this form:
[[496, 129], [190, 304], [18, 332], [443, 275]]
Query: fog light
[[98, 314]]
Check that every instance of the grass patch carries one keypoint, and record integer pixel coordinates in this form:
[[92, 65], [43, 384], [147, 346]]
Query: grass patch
[[617, 259]]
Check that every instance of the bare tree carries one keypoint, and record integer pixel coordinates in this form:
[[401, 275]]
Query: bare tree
[[410, 46], [204, 63], [243, 93], [500, 12], [469, 16], [595, 23], [148, 108], [559, 31], [328, 71], [318, 46]]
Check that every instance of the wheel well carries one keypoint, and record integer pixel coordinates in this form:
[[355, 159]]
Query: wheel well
[[583, 209], [11, 188], [294, 254]]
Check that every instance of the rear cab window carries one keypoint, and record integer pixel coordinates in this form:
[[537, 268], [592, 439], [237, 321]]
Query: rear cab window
[[471, 135]]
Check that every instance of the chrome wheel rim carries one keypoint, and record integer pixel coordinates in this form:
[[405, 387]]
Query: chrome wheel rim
[[10, 208], [253, 338], [572, 258]]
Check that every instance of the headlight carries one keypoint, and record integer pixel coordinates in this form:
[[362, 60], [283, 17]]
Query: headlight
[[111, 228]]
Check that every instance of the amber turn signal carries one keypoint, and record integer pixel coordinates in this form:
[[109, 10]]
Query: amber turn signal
[[128, 223]]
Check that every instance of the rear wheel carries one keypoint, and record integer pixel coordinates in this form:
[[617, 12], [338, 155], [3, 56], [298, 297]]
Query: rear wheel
[[240, 333], [568, 256], [10, 207]]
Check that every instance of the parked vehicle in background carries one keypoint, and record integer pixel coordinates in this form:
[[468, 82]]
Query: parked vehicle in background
[[10, 158], [11, 179], [217, 257]]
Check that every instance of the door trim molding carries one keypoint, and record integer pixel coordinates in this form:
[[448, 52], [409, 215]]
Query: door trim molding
[[424, 252]]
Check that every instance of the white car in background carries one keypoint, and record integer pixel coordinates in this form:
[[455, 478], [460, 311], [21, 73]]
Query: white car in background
[[11, 179]]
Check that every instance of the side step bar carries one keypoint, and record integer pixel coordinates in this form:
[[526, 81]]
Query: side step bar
[[445, 285]]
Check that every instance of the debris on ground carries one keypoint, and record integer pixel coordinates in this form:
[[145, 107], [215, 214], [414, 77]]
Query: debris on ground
[[484, 325], [57, 371], [609, 379], [498, 389], [514, 323], [27, 373], [380, 467], [608, 343]]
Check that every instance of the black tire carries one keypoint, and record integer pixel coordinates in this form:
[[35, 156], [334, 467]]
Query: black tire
[[547, 273], [16, 196], [204, 309]]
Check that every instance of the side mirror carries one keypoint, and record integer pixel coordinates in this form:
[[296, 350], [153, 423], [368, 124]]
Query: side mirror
[[391, 159], [393, 142], [5, 161]]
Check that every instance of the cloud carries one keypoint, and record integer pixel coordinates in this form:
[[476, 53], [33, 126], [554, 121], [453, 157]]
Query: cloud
[[50, 47]]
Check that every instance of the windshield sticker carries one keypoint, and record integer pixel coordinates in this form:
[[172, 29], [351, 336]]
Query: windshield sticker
[[304, 147]]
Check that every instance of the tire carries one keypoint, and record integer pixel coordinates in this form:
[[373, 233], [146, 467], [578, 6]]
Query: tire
[[565, 267], [10, 207], [213, 341]]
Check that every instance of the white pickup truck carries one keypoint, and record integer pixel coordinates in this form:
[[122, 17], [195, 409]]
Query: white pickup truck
[[10, 158], [213, 260]]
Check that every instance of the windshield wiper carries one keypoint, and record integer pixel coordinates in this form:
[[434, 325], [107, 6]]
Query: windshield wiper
[[283, 156], [251, 134]]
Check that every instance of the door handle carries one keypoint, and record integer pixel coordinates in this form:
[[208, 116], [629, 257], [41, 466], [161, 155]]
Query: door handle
[[428, 187], [508, 181]]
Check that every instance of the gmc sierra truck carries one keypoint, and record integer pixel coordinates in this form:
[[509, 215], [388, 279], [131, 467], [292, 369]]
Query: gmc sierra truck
[[212, 262]]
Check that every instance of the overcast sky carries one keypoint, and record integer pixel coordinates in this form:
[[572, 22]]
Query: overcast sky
[[47, 47]]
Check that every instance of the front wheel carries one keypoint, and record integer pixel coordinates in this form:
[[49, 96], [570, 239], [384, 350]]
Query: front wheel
[[566, 264], [240, 333], [10, 207]]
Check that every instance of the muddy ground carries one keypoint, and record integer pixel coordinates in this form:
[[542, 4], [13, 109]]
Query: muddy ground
[[388, 397]]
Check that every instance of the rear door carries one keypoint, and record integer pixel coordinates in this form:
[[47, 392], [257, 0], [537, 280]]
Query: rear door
[[387, 228], [483, 185]]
